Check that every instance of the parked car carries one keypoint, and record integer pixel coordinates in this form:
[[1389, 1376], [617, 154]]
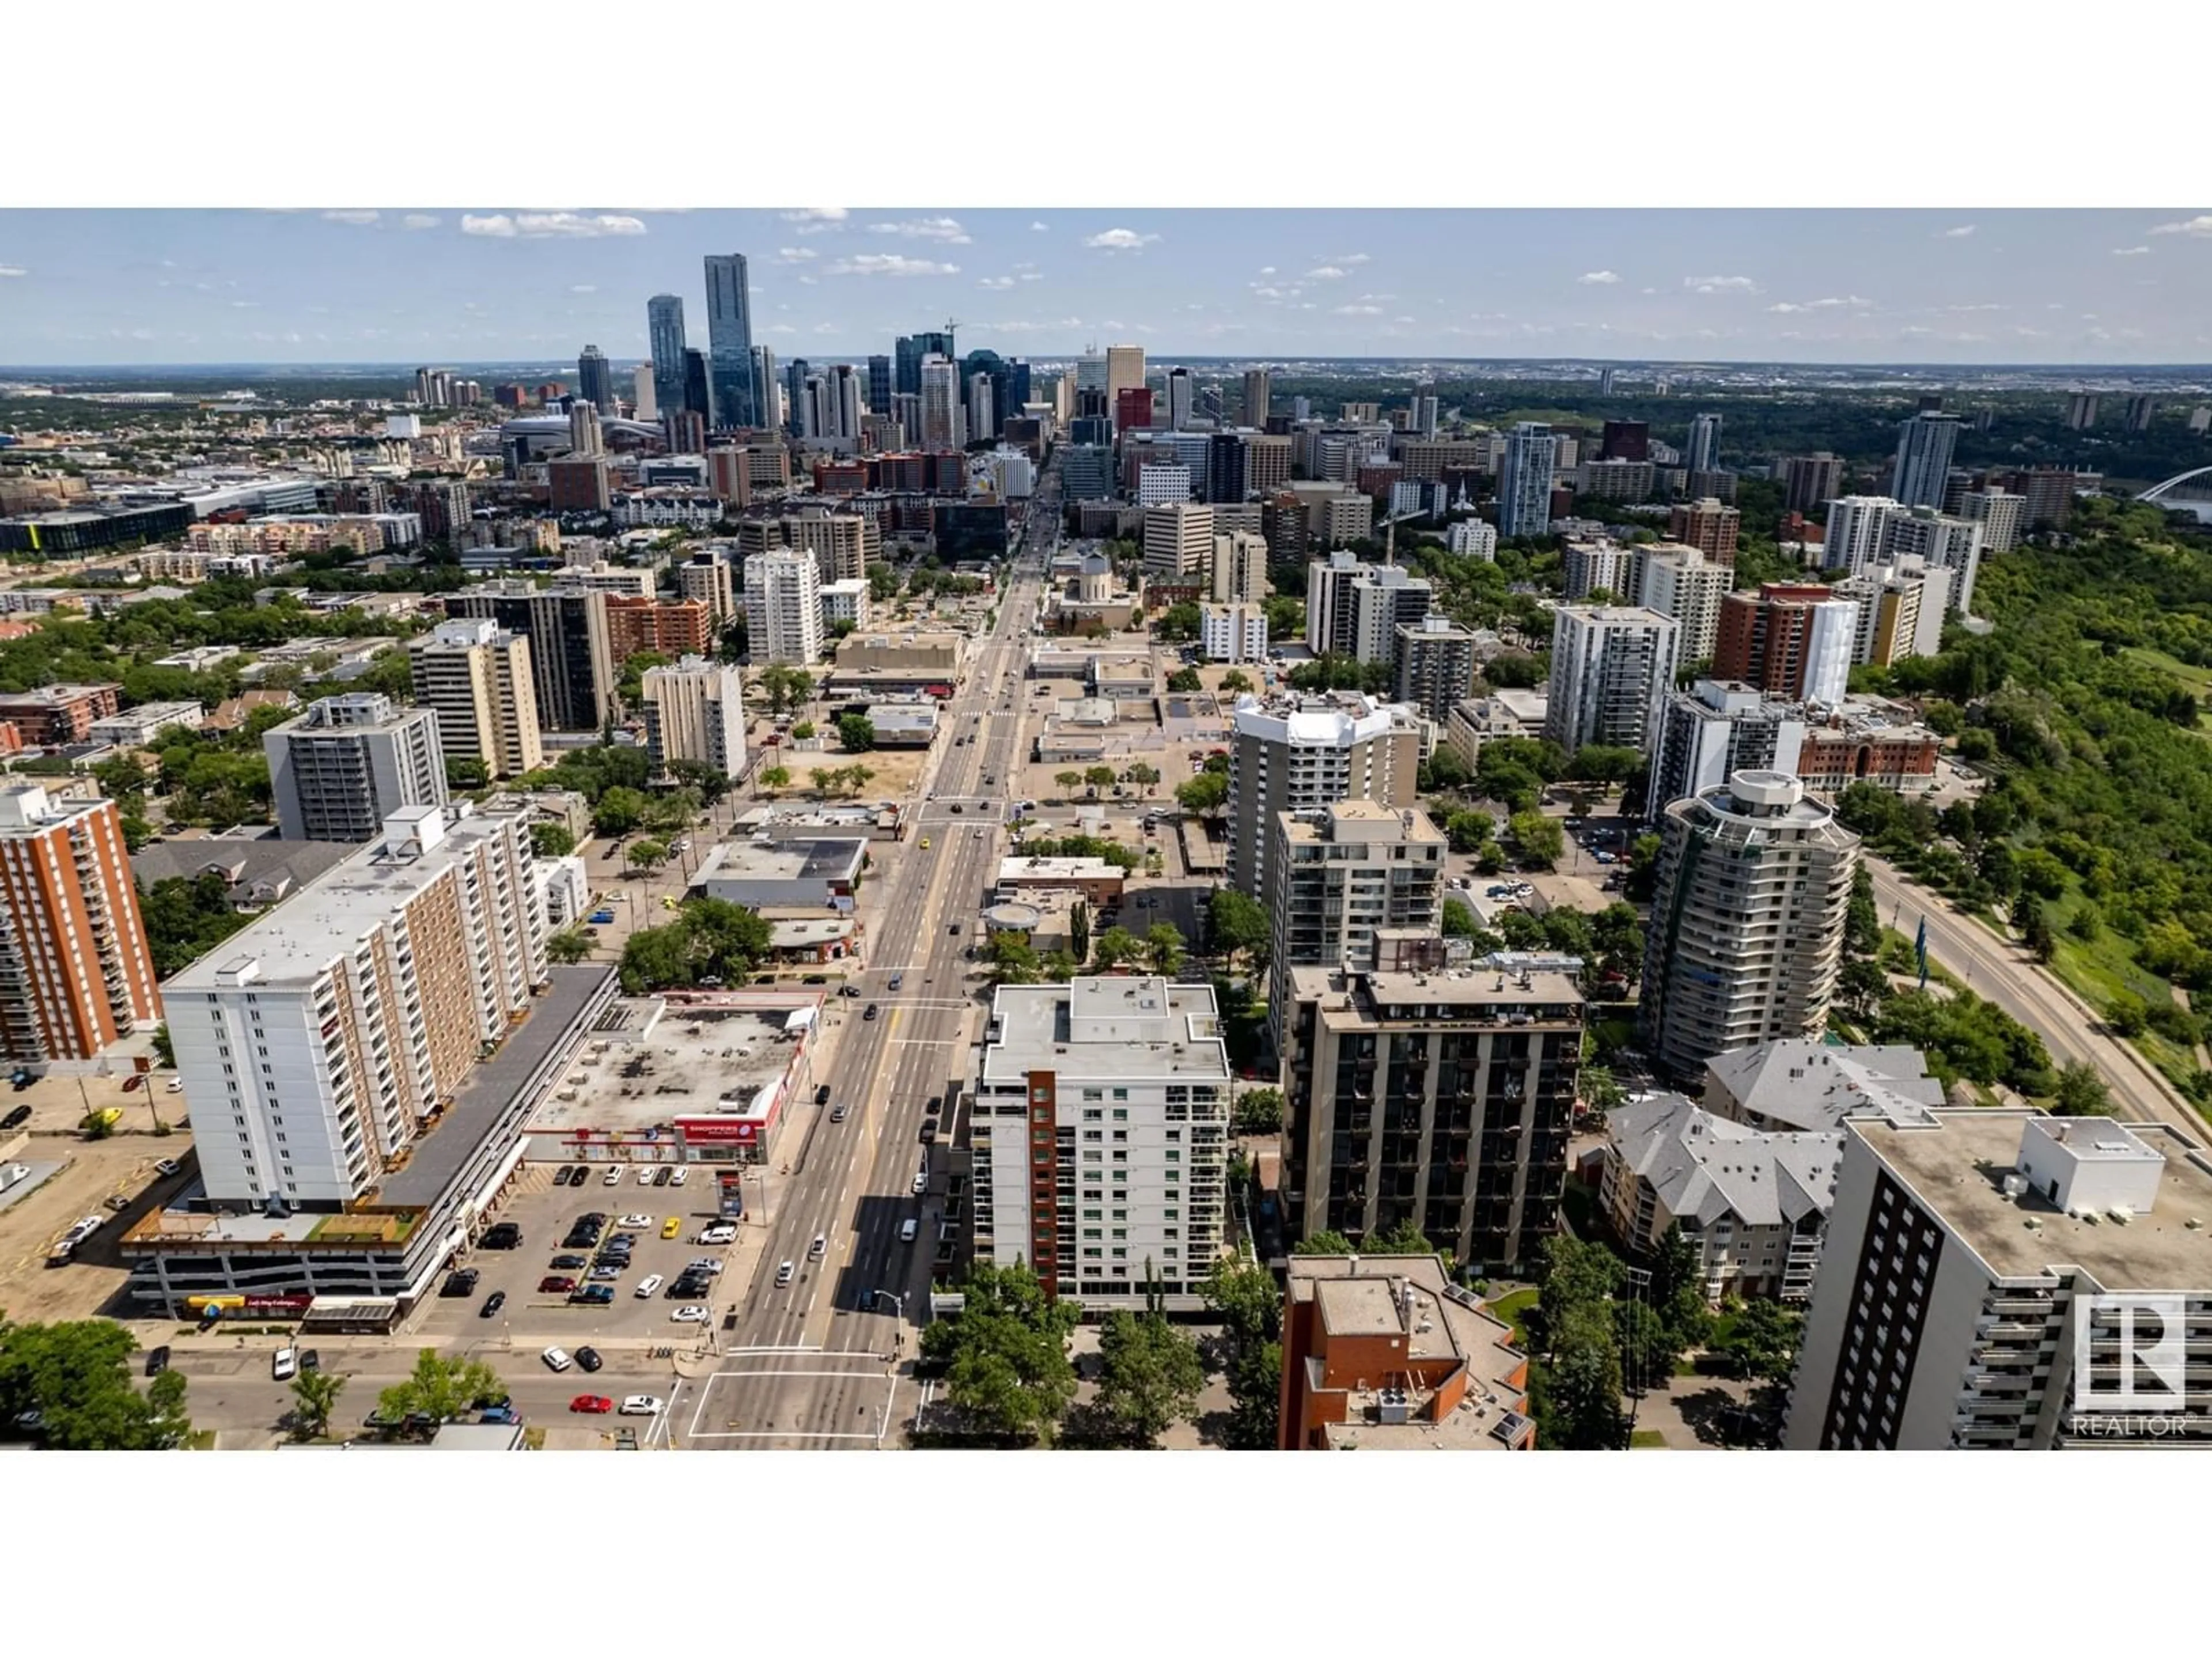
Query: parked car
[[311, 1360], [691, 1314], [678, 1176], [157, 1361], [167, 1166], [821, 1096], [672, 1227], [492, 1304], [284, 1363], [462, 1281], [647, 1285], [21, 1115], [920, 1180], [589, 1359], [570, 1262], [640, 1405], [555, 1285], [660, 1176], [499, 1415], [606, 1275], [592, 1404], [637, 1221], [613, 1176], [593, 1296]]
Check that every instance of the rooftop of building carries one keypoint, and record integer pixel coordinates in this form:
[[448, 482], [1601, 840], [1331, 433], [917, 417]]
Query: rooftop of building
[[1957, 1166], [1361, 821], [1490, 992], [1411, 1296], [1709, 1169], [1015, 869], [56, 695], [1752, 802], [30, 809], [782, 860], [1810, 1084], [254, 869], [1316, 718], [650, 1061], [1106, 1027], [292, 945]]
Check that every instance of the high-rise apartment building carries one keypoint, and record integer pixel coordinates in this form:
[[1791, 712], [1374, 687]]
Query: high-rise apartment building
[[1707, 526], [476, 676], [1303, 754], [571, 656], [1747, 933], [1343, 874], [767, 392], [694, 711], [1125, 372], [664, 329], [1599, 566], [730, 343], [1103, 1098], [315, 1044], [1182, 398], [1524, 483], [1178, 540], [1329, 614], [1625, 441], [2081, 411], [1941, 543], [944, 421], [1809, 480], [584, 440], [1240, 567], [1255, 398], [1612, 667], [1924, 444], [1681, 582], [2001, 1281], [337, 771], [1474, 539], [1856, 525], [1383, 600], [1228, 471], [1702, 454], [595, 381], [2000, 514], [668, 627], [1899, 616], [1789, 638], [1436, 665], [708, 577], [1441, 1096], [76, 971], [783, 607], [1715, 730]]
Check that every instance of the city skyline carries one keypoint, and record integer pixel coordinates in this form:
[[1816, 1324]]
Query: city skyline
[[2096, 288]]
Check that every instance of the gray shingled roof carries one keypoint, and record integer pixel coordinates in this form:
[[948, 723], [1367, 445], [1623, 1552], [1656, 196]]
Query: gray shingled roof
[[1707, 1169], [278, 869], [1816, 1086]]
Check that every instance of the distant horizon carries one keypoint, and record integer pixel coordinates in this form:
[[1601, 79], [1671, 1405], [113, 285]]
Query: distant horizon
[[1832, 288]]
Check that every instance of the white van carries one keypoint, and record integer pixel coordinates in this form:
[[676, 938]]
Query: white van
[[286, 1366], [907, 1229]]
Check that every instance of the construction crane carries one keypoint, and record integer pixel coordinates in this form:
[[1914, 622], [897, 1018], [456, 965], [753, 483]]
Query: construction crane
[[1390, 533]]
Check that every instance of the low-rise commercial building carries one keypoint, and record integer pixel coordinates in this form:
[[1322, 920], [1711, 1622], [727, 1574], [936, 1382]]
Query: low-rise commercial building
[[823, 874]]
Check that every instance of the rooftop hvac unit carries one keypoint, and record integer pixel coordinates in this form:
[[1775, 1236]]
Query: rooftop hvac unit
[[1393, 1407]]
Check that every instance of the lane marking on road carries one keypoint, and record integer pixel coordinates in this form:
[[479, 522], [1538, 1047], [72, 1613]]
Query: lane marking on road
[[782, 1434]]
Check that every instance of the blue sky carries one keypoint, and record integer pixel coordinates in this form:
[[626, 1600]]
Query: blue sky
[[180, 286]]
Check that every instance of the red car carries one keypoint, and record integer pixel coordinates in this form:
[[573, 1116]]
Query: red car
[[556, 1286], [596, 1403]]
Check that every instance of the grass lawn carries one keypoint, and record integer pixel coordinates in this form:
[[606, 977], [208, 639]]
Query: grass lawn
[[1514, 1309], [2193, 678], [1646, 1440]]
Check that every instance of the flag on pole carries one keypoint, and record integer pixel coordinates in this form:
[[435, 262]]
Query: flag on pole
[[1920, 950]]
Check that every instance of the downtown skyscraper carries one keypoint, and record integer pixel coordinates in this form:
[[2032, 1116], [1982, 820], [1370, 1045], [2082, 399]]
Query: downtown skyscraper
[[664, 328], [729, 341], [1924, 444]]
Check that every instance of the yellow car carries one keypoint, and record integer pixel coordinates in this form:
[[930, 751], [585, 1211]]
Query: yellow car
[[925, 843], [672, 1226]]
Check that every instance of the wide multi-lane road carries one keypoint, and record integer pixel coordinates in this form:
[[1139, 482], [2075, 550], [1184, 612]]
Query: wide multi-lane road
[[2001, 972], [813, 1362]]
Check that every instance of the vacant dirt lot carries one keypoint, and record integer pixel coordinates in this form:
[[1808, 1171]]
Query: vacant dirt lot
[[92, 1283]]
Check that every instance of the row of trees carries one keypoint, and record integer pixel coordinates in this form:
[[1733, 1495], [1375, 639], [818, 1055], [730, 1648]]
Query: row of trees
[[1095, 778], [708, 939], [76, 1376]]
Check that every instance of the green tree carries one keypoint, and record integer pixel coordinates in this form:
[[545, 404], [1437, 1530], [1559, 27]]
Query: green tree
[[1068, 780], [647, 854], [440, 1390], [857, 732], [2127, 1014], [466, 772], [1207, 793], [314, 1397], [1459, 919], [1185, 679], [1117, 945], [1468, 831], [775, 779], [1177, 622], [1148, 777], [1163, 948], [1259, 1111], [2082, 1092], [551, 841], [1079, 931], [1447, 769], [1538, 839], [1403, 1238], [569, 946], [1149, 1379], [75, 1375], [1012, 960], [1234, 681], [1762, 1340], [1327, 1242], [802, 731], [1236, 924], [619, 811], [1008, 1371]]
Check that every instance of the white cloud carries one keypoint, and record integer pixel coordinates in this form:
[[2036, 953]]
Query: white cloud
[[1985, 305], [792, 256], [1349, 258], [825, 328], [823, 216], [538, 225], [1266, 270], [1721, 284], [1359, 311], [2200, 225], [12, 270], [1121, 241], [995, 281], [925, 230], [1598, 278], [1325, 273], [1958, 232], [583, 288], [1033, 276], [781, 328], [422, 222], [1850, 301], [352, 216], [889, 265], [1061, 326], [1039, 224], [246, 305], [2128, 252]]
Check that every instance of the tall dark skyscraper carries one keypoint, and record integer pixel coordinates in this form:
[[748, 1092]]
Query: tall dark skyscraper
[[794, 389], [698, 394], [909, 351], [1924, 444], [879, 386], [765, 400], [595, 381], [664, 328], [729, 341]]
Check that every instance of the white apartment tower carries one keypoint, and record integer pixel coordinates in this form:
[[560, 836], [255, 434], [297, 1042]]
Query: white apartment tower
[[479, 679], [1178, 540], [338, 770], [1304, 754], [694, 711], [783, 606], [1341, 875], [314, 1044], [1611, 668], [1525, 482], [1682, 583], [1100, 1137]]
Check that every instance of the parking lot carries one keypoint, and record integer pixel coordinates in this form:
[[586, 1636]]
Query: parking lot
[[531, 1318]]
